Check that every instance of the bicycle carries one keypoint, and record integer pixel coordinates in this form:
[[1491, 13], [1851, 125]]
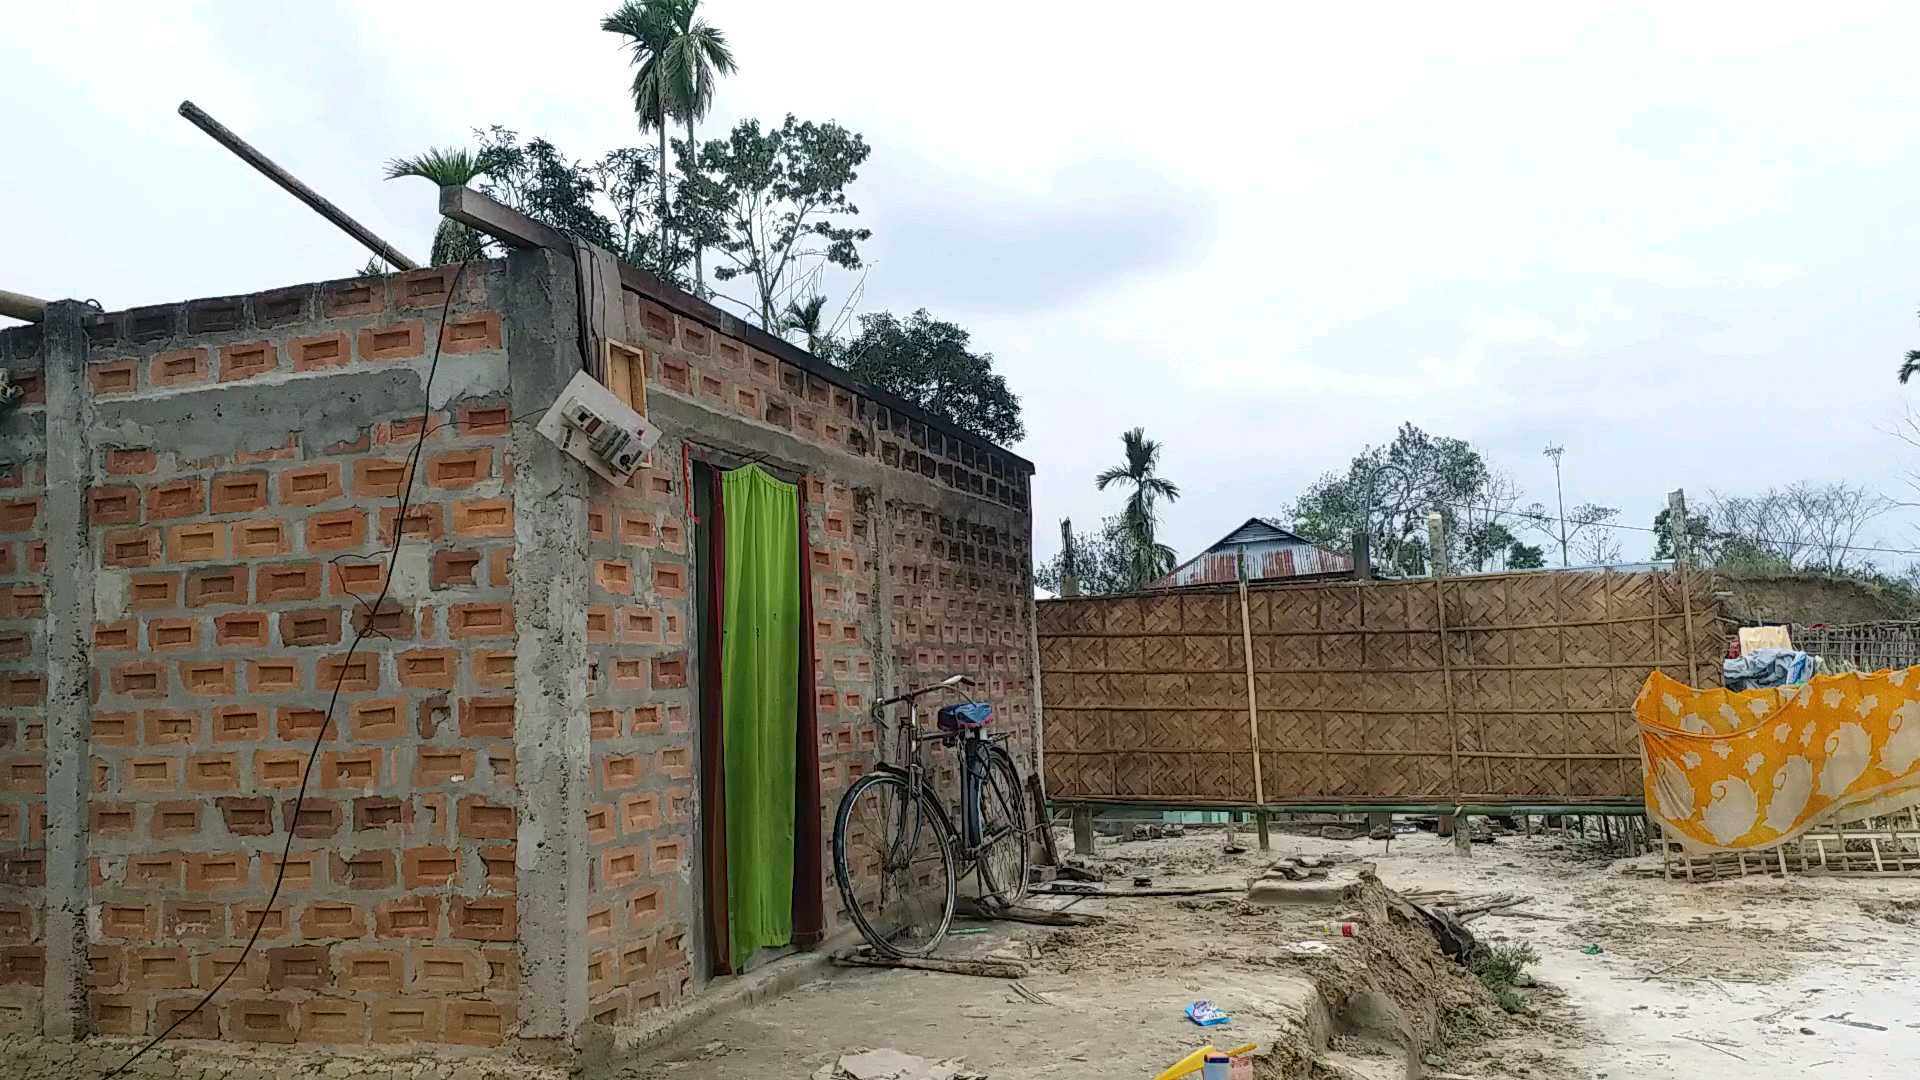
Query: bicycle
[[909, 856]]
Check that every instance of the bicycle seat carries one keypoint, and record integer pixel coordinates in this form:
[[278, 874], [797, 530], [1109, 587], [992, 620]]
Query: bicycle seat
[[970, 716]]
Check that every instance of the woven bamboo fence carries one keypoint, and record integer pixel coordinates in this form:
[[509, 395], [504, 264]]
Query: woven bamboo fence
[[1874, 646], [1512, 688]]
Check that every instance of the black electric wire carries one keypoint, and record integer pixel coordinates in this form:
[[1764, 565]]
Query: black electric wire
[[366, 630]]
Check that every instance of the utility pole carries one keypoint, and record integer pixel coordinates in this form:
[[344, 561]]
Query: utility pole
[[1559, 499]]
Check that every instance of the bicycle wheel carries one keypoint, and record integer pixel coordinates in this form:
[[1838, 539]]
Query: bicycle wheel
[[1004, 836], [894, 865]]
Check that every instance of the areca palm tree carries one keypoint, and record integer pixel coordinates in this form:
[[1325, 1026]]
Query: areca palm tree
[[645, 25], [696, 58], [809, 317], [1146, 557], [452, 241], [679, 58]]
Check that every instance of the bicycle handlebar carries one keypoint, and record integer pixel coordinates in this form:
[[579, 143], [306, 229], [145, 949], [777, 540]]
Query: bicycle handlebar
[[964, 680], [916, 692]]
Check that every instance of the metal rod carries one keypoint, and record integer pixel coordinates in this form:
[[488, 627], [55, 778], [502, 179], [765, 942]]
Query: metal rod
[[294, 187], [21, 306]]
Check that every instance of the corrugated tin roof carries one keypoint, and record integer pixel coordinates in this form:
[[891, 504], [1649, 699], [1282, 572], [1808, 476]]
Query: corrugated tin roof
[[1269, 550], [1257, 530]]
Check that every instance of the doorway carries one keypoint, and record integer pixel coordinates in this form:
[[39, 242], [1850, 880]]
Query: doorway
[[757, 738]]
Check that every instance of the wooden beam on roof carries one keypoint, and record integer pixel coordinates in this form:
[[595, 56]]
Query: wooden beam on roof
[[498, 220], [21, 306]]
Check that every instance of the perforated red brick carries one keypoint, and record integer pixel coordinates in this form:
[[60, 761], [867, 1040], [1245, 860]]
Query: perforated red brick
[[180, 367], [246, 359]]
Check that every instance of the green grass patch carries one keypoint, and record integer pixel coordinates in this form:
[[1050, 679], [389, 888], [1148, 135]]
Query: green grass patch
[[1499, 968]]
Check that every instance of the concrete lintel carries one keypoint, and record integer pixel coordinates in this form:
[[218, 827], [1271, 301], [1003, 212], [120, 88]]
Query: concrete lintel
[[69, 717], [550, 735]]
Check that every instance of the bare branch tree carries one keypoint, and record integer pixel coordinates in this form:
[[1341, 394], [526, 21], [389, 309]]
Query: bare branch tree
[[1597, 547], [1804, 526]]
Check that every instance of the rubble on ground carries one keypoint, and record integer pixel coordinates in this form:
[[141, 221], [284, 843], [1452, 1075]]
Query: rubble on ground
[[890, 1064]]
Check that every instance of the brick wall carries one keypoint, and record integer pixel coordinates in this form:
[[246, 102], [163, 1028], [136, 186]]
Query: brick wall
[[23, 609], [240, 539], [239, 459], [920, 544], [640, 821]]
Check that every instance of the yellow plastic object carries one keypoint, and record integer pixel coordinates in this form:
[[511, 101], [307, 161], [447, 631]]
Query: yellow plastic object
[[1192, 1062]]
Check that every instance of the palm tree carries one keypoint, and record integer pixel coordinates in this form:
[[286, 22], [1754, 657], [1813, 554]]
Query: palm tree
[[452, 241], [1146, 557], [680, 57], [808, 317], [645, 25], [696, 57]]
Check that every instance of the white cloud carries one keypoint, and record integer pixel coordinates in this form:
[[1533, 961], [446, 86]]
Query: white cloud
[[1662, 235]]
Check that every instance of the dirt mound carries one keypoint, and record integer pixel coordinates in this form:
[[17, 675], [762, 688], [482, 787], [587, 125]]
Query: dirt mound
[[1391, 984]]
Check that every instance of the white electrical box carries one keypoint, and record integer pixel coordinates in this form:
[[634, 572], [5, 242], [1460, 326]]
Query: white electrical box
[[602, 431]]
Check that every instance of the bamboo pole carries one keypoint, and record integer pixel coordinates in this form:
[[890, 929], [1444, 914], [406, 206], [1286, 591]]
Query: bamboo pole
[[1677, 525], [1253, 701], [291, 183], [21, 306], [1437, 557]]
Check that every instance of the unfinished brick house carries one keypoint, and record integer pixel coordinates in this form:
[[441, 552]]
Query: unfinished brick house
[[506, 834]]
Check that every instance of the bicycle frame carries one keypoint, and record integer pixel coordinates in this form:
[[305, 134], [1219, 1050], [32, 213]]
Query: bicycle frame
[[973, 773]]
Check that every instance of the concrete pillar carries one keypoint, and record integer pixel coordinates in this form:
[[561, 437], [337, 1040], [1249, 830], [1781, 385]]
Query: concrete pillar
[[69, 471], [1263, 821], [1083, 830], [550, 735], [1462, 834]]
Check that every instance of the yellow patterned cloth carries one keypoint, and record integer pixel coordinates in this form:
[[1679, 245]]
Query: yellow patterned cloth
[[1730, 771]]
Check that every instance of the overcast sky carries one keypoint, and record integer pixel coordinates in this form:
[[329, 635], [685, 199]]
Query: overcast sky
[[1671, 238]]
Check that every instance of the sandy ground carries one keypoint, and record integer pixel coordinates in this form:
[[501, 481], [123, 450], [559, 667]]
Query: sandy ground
[[1738, 978]]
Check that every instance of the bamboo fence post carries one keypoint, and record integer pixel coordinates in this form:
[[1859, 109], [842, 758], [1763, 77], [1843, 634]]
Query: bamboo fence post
[[1253, 701], [1677, 527], [1437, 562]]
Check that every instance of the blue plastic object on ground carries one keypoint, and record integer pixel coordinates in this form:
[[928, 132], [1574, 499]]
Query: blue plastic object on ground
[[1204, 1014]]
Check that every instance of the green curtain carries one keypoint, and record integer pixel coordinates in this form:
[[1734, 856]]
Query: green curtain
[[760, 699]]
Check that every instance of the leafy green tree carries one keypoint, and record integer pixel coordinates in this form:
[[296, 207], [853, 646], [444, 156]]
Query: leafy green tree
[[928, 362], [772, 202], [1387, 492], [1486, 544], [538, 180], [1698, 536], [602, 202], [1100, 562], [1525, 556], [452, 240], [1146, 558]]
